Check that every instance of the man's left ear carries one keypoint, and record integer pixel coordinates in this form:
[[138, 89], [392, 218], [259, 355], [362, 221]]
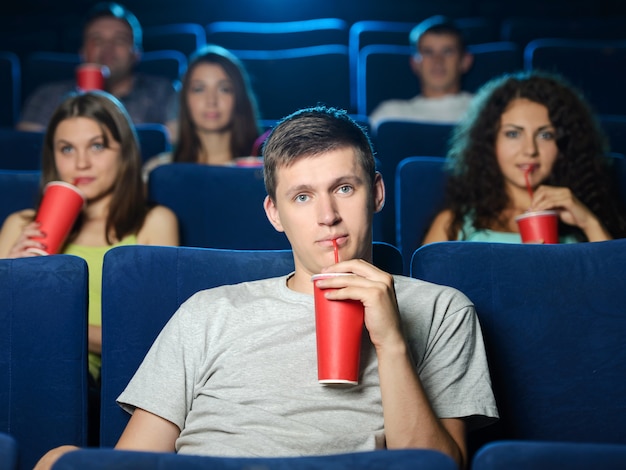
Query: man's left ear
[[272, 214], [467, 61], [379, 192]]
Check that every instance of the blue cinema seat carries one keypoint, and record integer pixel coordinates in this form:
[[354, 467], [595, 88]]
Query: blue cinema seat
[[524, 29], [420, 185], [220, 207], [396, 140], [522, 455], [554, 324], [8, 452], [579, 61], [18, 190], [43, 353], [262, 35], [615, 128], [285, 80], [183, 37], [107, 459], [46, 66], [216, 206], [166, 63], [153, 139], [21, 150], [10, 88]]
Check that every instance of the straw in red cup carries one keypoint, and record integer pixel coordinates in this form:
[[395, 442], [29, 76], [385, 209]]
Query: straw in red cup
[[538, 227], [336, 250], [338, 326], [91, 76], [59, 208], [527, 173]]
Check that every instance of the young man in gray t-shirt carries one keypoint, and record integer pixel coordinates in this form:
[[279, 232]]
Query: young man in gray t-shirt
[[233, 372]]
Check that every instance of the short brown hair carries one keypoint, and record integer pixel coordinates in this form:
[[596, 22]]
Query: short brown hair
[[310, 132]]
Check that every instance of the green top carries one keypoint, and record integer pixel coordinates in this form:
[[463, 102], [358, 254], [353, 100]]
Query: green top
[[94, 255]]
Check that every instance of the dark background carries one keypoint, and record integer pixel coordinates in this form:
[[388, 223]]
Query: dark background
[[52, 13]]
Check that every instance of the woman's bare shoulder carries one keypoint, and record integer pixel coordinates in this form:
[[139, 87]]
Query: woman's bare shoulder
[[19, 218], [159, 228]]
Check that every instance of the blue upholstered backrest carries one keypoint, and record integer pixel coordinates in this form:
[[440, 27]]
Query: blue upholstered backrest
[[396, 141], [101, 459], [8, 452], [535, 455], [142, 287], [554, 322], [420, 186], [216, 206], [220, 207], [166, 63], [153, 139], [43, 353], [264, 35], [323, 73], [18, 190], [21, 150], [47, 66], [183, 37], [10, 88], [577, 60]]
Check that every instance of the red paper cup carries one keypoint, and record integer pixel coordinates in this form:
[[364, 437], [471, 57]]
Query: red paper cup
[[91, 76], [539, 227], [339, 326], [57, 213]]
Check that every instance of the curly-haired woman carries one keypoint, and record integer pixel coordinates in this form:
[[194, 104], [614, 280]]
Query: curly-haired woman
[[529, 124]]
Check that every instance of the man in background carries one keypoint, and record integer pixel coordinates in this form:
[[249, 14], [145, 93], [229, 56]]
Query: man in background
[[112, 37], [439, 62]]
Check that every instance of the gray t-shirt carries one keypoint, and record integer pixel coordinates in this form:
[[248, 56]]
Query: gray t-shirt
[[235, 369]]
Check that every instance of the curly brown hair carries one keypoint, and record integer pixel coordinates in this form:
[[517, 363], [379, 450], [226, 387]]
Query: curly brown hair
[[476, 187]]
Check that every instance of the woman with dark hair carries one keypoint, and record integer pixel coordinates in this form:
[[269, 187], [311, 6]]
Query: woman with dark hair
[[217, 117], [536, 126], [90, 142]]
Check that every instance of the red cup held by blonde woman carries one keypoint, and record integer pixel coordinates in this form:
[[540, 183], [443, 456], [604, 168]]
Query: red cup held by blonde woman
[[91, 76], [538, 227], [339, 327], [59, 208]]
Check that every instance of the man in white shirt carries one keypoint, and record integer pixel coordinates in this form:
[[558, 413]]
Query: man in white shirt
[[439, 62]]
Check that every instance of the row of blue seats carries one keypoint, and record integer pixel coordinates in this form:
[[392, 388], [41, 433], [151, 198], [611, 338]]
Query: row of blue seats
[[358, 84], [551, 315], [21, 150], [392, 140], [204, 201], [188, 36], [503, 455]]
